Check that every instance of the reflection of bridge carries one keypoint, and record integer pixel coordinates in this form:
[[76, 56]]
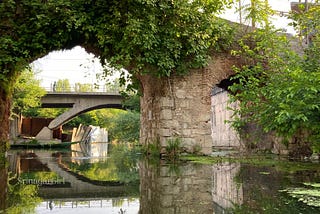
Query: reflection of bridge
[[79, 102], [110, 205], [78, 188], [75, 188]]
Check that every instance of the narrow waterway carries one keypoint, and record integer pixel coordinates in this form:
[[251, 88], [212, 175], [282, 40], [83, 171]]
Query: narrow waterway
[[90, 178]]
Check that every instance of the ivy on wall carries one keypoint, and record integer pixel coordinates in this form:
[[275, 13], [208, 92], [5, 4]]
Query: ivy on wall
[[144, 36]]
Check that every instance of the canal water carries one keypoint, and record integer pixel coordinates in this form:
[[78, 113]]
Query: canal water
[[95, 178]]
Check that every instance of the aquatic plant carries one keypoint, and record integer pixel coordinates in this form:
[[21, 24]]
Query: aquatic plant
[[309, 194], [196, 149], [152, 149], [173, 148]]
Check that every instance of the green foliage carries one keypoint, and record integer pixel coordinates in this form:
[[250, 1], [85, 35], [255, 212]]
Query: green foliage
[[44, 112], [309, 194], [62, 85], [85, 87], [257, 11], [40, 175], [173, 148], [152, 150], [132, 102], [278, 88], [125, 127], [27, 92], [22, 198], [122, 126], [162, 37], [121, 166], [144, 36], [30, 29]]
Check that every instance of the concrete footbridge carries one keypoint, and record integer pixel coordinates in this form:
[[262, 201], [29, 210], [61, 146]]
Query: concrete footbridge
[[79, 102]]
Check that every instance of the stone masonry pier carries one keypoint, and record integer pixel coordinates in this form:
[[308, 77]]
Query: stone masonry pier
[[180, 106]]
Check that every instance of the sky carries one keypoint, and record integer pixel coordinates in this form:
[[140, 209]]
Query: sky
[[77, 65]]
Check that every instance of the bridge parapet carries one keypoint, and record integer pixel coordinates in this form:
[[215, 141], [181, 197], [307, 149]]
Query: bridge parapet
[[83, 88]]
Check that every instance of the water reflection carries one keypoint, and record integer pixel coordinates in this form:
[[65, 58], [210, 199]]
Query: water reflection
[[189, 188], [225, 190], [93, 152], [64, 181], [164, 189], [60, 181], [264, 188], [3, 186]]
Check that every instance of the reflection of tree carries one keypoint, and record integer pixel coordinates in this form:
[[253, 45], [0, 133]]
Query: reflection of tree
[[40, 175], [120, 167], [22, 198], [3, 184], [125, 160], [261, 192]]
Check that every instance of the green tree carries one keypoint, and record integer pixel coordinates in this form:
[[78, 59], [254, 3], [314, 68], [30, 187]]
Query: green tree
[[125, 127], [84, 87], [122, 126], [62, 85], [257, 12], [278, 88], [44, 112], [132, 102], [27, 92]]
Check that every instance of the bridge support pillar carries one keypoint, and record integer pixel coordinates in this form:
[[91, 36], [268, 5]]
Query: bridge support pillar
[[45, 134], [180, 106]]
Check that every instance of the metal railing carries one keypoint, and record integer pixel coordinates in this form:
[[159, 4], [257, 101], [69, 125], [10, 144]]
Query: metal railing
[[83, 88]]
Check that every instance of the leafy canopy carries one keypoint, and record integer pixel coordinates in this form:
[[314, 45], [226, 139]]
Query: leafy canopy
[[279, 87], [27, 92], [144, 36]]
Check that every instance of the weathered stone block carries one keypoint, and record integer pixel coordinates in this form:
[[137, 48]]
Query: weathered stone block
[[164, 171], [186, 118], [169, 210], [201, 131], [169, 124], [165, 132], [188, 142], [184, 103], [166, 114], [186, 132], [166, 200], [181, 94], [166, 102], [171, 190]]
